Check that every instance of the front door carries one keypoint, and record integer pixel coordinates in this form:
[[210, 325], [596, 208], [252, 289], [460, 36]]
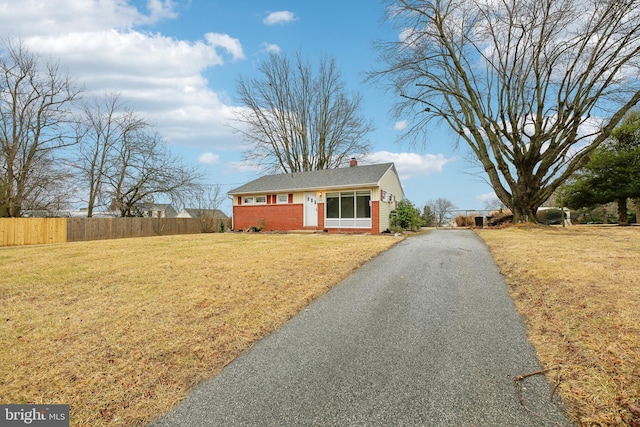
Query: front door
[[310, 210]]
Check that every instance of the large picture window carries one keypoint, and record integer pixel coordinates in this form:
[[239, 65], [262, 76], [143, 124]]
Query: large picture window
[[348, 209], [333, 205], [347, 205], [363, 204]]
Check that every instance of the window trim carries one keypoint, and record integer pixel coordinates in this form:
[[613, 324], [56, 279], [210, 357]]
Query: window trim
[[352, 222], [368, 204]]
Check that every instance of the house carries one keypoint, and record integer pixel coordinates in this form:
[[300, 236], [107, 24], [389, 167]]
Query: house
[[351, 199], [155, 210], [201, 213]]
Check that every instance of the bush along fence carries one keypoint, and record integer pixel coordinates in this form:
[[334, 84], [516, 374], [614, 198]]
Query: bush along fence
[[37, 231]]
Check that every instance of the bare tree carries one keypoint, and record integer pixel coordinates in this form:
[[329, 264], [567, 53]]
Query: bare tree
[[121, 159], [493, 204], [4, 192], [35, 100], [102, 128], [531, 86], [143, 170], [205, 208], [50, 186], [442, 210], [297, 120]]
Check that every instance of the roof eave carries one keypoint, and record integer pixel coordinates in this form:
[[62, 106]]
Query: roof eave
[[289, 190]]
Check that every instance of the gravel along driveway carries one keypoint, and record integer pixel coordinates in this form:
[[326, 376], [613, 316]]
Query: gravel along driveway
[[423, 335]]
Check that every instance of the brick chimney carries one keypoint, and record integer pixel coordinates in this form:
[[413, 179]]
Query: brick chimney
[[353, 162]]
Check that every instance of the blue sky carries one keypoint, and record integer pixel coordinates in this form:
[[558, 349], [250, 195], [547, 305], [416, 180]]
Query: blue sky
[[178, 62]]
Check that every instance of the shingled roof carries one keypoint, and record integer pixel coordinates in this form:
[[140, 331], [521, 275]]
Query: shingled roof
[[349, 177]]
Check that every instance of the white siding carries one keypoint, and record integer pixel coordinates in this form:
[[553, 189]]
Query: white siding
[[347, 223], [390, 183]]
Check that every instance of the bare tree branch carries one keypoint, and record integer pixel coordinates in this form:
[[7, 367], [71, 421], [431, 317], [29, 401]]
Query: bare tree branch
[[35, 100], [531, 86], [142, 169], [101, 129], [296, 120]]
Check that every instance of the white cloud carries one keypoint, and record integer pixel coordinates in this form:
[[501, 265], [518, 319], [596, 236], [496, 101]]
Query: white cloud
[[131, 55], [226, 42], [489, 200], [161, 9], [401, 125], [281, 17], [31, 17], [208, 158], [271, 48], [410, 165], [159, 76]]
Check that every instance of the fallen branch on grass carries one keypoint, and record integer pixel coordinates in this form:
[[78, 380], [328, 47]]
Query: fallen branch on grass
[[518, 379]]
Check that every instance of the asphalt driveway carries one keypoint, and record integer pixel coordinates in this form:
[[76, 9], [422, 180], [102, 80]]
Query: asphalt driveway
[[424, 335]]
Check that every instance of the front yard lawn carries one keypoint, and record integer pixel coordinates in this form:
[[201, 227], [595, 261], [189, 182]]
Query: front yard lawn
[[122, 329]]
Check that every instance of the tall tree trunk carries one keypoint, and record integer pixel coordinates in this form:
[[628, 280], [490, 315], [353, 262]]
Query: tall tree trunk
[[524, 213], [4, 197], [523, 203], [623, 217]]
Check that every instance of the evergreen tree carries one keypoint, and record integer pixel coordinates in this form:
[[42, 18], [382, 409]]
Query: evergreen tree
[[613, 172]]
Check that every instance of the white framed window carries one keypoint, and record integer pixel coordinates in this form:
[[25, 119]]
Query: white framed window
[[261, 200], [348, 209], [283, 198], [248, 200], [351, 204]]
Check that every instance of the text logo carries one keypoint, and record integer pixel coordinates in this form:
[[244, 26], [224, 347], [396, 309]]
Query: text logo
[[34, 415]]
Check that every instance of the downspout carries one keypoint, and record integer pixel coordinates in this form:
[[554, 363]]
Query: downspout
[[233, 217]]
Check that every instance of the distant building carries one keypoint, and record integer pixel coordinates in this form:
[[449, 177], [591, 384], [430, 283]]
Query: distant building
[[201, 213], [156, 210]]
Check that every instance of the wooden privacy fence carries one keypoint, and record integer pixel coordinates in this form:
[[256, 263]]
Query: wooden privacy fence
[[34, 231], [80, 229]]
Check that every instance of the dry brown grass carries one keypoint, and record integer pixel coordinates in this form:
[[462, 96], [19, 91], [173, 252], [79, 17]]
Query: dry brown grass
[[579, 292], [121, 330]]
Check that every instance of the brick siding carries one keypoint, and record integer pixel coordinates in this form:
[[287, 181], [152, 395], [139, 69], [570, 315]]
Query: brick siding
[[276, 217]]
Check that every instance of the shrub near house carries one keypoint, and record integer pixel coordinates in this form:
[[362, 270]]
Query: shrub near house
[[405, 217]]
